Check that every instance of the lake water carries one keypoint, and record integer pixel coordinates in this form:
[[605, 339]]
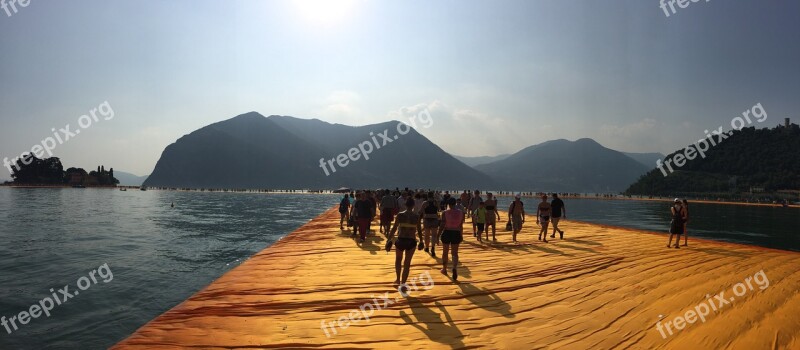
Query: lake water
[[159, 255]]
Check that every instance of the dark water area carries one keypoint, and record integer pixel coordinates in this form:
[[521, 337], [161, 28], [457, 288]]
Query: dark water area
[[157, 256]]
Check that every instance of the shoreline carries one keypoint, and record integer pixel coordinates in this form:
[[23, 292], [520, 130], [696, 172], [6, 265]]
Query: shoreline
[[600, 287]]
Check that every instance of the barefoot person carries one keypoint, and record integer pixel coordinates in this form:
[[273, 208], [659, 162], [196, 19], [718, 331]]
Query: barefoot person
[[344, 211], [452, 235], [676, 225], [543, 217], [685, 222], [491, 216], [364, 211], [408, 223], [474, 203], [516, 214], [479, 220], [388, 205], [430, 222], [556, 209]]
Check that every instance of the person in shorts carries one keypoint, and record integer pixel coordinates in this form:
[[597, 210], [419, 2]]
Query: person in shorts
[[556, 209], [430, 223], [676, 225], [491, 216], [543, 217], [408, 223], [344, 211], [479, 220], [452, 235]]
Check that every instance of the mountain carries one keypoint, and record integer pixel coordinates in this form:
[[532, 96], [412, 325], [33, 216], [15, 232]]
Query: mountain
[[475, 161], [566, 166], [128, 179], [766, 158], [253, 151], [646, 159]]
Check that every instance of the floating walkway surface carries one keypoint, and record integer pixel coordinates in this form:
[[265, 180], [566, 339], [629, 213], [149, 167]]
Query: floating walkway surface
[[599, 288]]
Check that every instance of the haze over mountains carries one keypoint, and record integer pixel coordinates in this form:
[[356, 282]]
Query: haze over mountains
[[560, 165], [253, 151]]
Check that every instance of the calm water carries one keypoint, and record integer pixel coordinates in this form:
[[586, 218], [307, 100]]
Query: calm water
[[159, 255]]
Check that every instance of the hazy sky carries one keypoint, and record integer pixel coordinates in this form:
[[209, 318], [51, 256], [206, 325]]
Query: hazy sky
[[496, 76]]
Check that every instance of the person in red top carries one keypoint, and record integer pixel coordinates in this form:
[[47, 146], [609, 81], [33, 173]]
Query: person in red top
[[452, 235]]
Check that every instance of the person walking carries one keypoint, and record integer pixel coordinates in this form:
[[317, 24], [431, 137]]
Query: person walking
[[479, 220], [474, 203], [492, 215], [557, 209], [365, 211], [543, 217], [452, 235], [430, 212], [408, 223], [516, 214], [344, 211], [388, 205]]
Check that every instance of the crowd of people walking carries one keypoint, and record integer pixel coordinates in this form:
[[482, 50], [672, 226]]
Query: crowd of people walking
[[422, 220]]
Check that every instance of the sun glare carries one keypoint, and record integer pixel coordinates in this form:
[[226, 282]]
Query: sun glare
[[325, 12]]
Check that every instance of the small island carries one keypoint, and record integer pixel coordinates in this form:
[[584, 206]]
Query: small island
[[49, 172]]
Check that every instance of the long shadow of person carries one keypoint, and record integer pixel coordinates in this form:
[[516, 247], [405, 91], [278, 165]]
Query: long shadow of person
[[372, 244], [486, 299], [431, 324]]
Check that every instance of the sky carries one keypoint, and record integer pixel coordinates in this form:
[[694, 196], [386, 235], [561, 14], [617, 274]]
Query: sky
[[495, 76]]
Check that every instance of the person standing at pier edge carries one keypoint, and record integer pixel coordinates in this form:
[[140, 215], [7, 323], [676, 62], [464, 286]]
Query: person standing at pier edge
[[388, 205], [676, 225], [557, 208], [430, 212], [543, 216], [365, 211], [491, 216], [408, 222], [344, 210], [685, 222], [452, 235], [516, 214]]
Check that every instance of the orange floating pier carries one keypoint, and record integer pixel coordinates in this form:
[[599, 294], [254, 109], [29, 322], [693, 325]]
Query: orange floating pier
[[599, 288]]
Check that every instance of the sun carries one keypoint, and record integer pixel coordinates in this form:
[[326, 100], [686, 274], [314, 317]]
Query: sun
[[325, 12]]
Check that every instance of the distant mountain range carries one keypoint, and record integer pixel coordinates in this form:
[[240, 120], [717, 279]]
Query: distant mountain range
[[566, 166], [253, 151], [475, 161], [128, 179]]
